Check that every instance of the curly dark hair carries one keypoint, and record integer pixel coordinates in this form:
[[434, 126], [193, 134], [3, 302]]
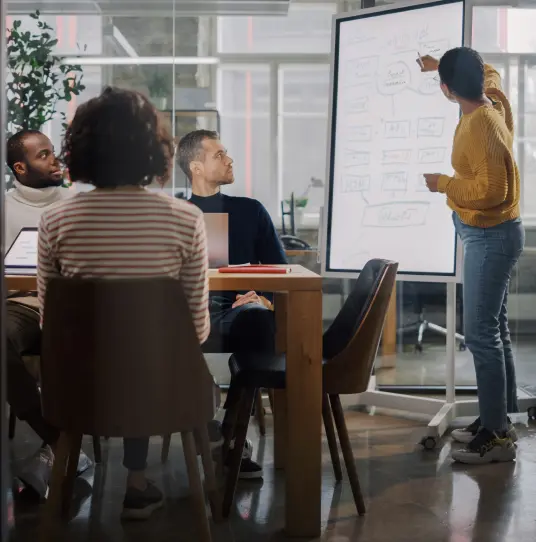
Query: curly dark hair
[[462, 70], [118, 139]]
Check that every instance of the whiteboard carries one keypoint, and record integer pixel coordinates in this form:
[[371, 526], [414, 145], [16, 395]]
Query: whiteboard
[[390, 124]]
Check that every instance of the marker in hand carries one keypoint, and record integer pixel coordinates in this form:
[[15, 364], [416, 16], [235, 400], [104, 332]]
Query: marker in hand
[[419, 60]]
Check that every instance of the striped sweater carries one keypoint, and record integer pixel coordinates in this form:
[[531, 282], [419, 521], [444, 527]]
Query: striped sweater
[[127, 233], [485, 188]]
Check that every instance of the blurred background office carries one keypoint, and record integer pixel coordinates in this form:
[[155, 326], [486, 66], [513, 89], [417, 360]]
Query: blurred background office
[[261, 77]]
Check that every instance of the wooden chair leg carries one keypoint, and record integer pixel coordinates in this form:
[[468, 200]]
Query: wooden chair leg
[[235, 456], [347, 453], [97, 450], [196, 486], [211, 484], [70, 474], [271, 399], [60, 487], [166, 443], [332, 439], [12, 424], [259, 413]]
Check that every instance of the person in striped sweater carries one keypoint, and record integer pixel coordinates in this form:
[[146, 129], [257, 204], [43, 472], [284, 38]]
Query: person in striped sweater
[[119, 143]]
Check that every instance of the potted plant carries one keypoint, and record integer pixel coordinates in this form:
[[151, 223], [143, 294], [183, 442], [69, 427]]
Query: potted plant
[[159, 86], [37, 78]]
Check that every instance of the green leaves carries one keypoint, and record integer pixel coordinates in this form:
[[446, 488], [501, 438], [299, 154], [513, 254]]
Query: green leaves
[[37, 79]]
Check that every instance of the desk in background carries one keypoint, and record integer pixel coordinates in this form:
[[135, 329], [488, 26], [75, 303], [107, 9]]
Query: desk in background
[[298, 409]]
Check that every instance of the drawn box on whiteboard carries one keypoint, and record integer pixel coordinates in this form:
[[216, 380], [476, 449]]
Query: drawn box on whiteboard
[[360, 133], [354, 158], [402, 156], [361, 71], [430, 127], [397, 129], [397, 214], [395, 182], [434, 48], [432, 155], [355, 183], [358, 105]]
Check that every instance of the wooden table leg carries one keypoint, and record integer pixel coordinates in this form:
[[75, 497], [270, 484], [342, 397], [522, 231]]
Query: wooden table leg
[[303, 470], [280, 396]]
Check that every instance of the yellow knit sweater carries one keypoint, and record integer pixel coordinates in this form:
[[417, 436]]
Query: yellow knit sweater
[[485, 189]]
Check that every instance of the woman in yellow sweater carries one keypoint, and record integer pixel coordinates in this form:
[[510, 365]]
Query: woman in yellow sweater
[[484, 197]]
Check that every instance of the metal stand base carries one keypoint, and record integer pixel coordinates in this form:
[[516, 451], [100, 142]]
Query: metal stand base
[[442, 412]]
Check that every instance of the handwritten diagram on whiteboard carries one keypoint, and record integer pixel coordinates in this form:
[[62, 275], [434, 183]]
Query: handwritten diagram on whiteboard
[[391, 124]]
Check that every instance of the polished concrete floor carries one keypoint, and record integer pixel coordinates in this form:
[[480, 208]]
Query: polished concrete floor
[[412, 495]]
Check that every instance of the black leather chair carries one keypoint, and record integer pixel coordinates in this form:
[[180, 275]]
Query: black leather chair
[[349, 349]]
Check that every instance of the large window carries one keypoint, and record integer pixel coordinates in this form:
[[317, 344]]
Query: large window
[[306, 29]]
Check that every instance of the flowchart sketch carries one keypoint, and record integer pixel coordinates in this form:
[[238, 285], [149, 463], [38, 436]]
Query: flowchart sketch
[[394, 157], [354, 158], [397, 129], [435, 155], [390, 126], [395, 182], [397, 214], [355, 183], [430, 127], [360, 133]]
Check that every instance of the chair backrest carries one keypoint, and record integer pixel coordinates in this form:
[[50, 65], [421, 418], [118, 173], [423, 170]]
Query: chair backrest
[[351, 343], [122, 358]]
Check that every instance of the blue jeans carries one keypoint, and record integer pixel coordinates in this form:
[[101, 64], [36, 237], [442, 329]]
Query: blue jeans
[[490, 255]]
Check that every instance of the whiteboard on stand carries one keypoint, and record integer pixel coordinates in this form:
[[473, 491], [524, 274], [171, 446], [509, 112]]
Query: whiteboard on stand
[[389, 125]]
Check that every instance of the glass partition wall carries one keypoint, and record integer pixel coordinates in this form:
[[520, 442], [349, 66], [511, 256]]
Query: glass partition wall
[[263, 81]]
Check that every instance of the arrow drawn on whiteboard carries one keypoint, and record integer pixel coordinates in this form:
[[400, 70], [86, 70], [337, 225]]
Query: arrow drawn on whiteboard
[[364, 198]]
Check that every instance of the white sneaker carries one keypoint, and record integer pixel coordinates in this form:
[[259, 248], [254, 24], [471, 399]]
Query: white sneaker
[[486, 447], [467, 434], [35, 471]]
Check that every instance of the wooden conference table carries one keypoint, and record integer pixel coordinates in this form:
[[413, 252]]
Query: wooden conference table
[[298, 410]]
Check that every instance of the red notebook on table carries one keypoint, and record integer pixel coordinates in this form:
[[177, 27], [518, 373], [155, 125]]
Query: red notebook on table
[[260, 269]]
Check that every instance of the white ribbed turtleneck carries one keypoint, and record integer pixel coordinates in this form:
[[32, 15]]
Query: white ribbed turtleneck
[[24, 206]]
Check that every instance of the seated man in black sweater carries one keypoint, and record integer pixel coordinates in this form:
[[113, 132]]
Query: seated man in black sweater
[[240, 321]]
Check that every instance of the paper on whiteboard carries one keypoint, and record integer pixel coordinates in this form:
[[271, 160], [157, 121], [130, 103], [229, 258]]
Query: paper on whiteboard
[[393, 124]]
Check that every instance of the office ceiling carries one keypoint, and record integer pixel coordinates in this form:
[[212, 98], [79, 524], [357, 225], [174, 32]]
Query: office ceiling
[[137, 8]]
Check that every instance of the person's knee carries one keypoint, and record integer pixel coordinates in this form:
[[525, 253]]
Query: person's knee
[[255, 327]]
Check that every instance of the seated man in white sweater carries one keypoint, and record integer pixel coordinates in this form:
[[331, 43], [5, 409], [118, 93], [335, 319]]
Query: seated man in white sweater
[[38, 186]]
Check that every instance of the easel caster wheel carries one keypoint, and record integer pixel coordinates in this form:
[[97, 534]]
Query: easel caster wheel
[[532, 413], [418, 348], [429, 443]]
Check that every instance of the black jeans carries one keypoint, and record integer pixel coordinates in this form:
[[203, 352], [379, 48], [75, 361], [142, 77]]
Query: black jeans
[[248, 328], [23, 338]]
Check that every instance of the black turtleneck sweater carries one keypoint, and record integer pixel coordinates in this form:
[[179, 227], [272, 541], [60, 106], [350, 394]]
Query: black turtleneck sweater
[[252, 235]]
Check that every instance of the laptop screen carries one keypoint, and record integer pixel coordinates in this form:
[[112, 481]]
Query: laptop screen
[[217, 230], [21, 258]]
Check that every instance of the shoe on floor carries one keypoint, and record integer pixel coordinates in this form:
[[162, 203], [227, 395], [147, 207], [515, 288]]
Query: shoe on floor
[[84, 463], [139, 505], [35, 471], [486, 447], [467, 434], [249, 469]]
